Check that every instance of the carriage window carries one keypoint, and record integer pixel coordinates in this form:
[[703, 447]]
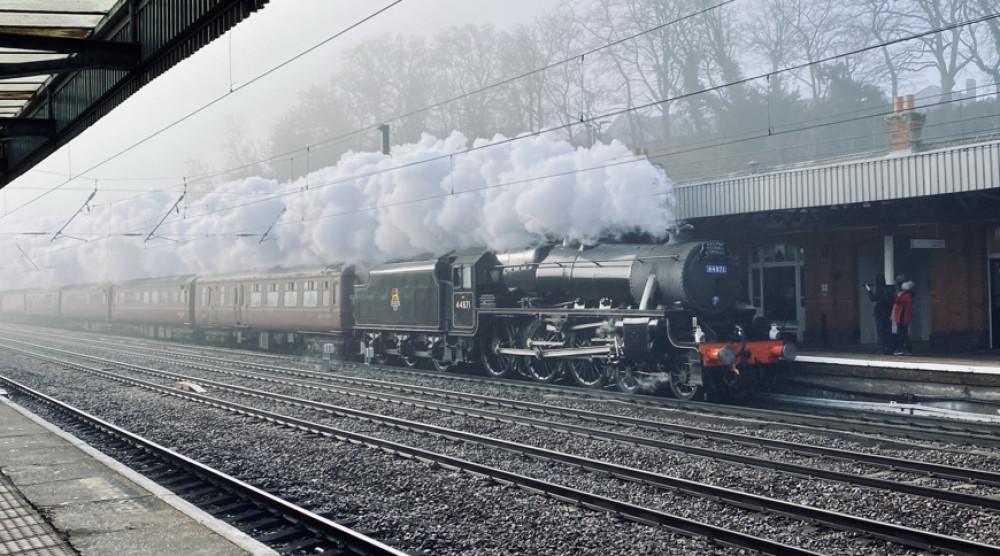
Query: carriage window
[[291, 296], [336, 294], [222, 296], [255, 294], [310, 296], [272, 294]]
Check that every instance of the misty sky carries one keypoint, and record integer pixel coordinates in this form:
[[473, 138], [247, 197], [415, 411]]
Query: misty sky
[[210, 126], [269, 38], [508, 195]]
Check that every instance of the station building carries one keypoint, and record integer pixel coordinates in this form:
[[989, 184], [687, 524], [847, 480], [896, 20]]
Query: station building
[[811, 235]]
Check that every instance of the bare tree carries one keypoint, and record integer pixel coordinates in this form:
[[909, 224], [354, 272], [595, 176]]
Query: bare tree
[[648, 55], [387, 79], [983, 42], [525, 56], [314, 132], [945, 47], [879, 22], [246, 155], [817, 32], [468, 65], [573, 88]]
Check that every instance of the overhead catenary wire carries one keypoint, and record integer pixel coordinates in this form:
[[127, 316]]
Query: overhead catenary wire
[[398, 117], [687, 95], [743, 81], [214, 101]]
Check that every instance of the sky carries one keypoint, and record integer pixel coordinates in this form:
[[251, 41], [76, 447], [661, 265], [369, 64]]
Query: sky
[[145, 144], [229, 73]]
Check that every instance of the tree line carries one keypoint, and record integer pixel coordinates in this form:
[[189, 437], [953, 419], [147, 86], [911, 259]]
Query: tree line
[[709, 86]]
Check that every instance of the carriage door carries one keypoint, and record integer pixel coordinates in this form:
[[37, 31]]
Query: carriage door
[[239, 304], [463, 316]]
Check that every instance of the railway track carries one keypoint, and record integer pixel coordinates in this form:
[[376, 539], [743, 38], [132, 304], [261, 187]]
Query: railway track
[[748, 502], [916, 428], [282, 526]]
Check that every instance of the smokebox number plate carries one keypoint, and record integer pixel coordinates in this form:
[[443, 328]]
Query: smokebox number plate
[[715, 268]]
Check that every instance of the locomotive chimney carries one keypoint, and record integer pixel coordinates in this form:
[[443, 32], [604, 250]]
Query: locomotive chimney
[[904, 125], [384, 128]]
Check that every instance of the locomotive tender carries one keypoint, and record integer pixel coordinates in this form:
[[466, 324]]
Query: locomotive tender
[[627, 315]]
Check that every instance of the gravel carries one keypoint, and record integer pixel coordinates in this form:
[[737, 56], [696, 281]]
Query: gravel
[[417, 506]]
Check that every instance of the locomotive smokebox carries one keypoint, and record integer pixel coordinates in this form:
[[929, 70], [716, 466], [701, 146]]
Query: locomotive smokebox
[[698, 275]]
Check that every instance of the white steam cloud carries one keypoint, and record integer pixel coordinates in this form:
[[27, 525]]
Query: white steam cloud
[[428, 197]]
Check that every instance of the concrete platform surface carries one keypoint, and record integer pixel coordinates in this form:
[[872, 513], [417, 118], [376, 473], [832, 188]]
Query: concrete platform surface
[[60, 496]]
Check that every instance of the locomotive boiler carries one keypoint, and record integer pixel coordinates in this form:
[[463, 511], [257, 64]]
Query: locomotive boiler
[[696, 275]]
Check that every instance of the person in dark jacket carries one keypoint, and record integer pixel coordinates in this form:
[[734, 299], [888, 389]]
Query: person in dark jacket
[[882, 296], [902, 312]]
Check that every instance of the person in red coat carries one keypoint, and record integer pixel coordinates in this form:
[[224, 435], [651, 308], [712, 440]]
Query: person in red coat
[[902, 312]]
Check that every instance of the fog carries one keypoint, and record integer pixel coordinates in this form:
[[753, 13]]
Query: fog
[[564, 91]]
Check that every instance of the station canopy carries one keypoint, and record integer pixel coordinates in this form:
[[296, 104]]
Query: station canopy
[[65, 64], [20, 21]]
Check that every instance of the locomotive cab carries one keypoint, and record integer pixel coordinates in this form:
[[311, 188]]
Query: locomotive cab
[[471, 284]]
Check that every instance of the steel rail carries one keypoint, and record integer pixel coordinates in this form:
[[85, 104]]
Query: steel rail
[[632, 512], [883, 530], [914, 427], [895, 464], [946, 430], [356, 542], [929, 469]]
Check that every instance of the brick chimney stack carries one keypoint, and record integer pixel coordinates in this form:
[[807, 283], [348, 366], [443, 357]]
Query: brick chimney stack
[[904, 125]]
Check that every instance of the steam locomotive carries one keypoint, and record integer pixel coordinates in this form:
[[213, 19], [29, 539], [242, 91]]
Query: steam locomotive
[[633, 316]]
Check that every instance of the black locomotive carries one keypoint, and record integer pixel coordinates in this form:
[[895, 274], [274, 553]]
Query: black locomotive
[[635, 316]]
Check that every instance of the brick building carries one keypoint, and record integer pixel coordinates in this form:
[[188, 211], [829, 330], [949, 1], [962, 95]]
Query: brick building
[[810, 237]]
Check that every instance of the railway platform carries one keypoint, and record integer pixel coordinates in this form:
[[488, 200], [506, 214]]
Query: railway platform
[[961, 381], [59, 496]]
